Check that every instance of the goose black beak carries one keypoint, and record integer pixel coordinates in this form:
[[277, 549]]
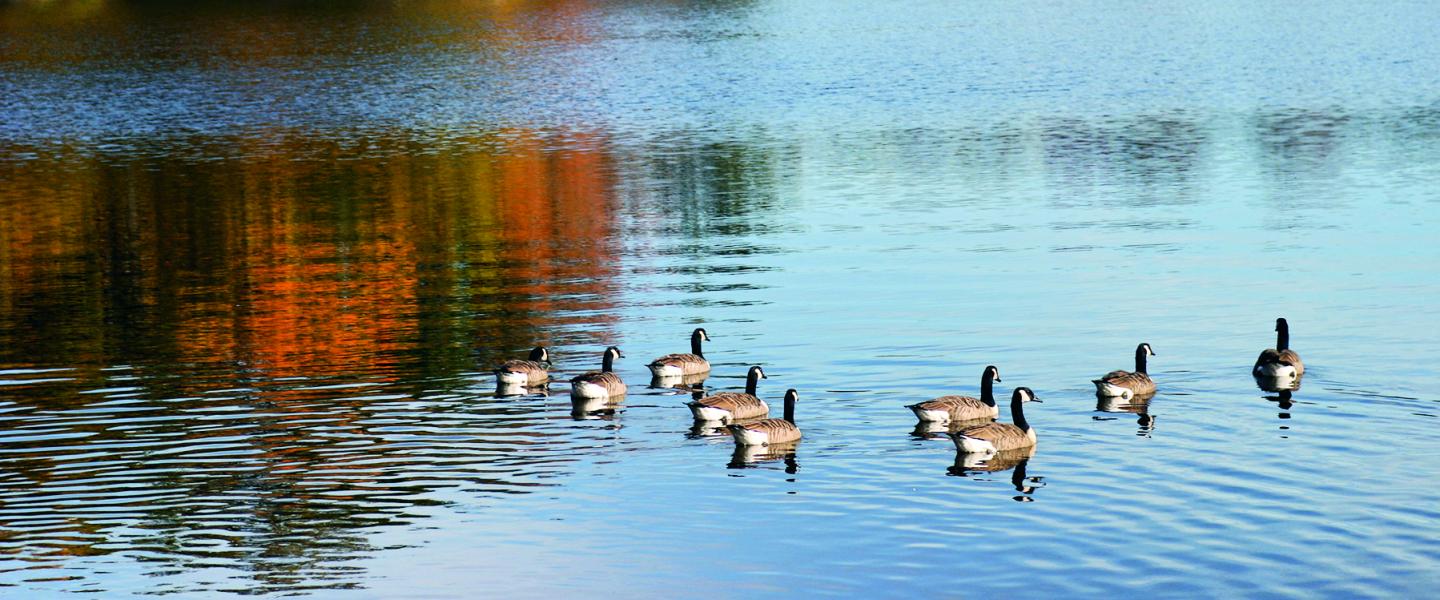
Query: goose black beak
[[1034, 399]]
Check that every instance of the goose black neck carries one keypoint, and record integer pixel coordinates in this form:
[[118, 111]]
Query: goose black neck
[[695, 345], [1140, 359], [1017, 413], [790, 408], [987, 388], [751, 381], [608, 364], [1282, 335]]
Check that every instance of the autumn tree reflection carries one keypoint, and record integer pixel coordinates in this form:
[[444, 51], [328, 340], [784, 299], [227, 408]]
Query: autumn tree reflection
[[246, 338]]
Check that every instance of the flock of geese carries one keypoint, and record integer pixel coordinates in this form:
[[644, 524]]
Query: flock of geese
[[969, 421]]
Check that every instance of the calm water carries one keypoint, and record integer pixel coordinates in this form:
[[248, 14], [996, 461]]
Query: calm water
[[256, 263]]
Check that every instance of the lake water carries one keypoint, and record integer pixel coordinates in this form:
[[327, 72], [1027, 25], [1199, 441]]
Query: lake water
[[257, 262]]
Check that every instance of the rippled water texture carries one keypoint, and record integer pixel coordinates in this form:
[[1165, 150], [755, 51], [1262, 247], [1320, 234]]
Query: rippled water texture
[[256, 264]]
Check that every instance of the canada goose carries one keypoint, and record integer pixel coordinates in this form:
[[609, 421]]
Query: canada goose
[[1126, 384], [999, 437], [683, 364], [1280, 361], [600, 384], [730, 406], [770, 431], [526, 372], [962, 408]]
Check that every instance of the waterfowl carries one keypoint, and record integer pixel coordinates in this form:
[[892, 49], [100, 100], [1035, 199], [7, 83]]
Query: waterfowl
[[1280, 361], [1126, 384], [962, 408], [683, 364], [999, 437], [770, 431], [526, 372], [730, 406], [600, 384]]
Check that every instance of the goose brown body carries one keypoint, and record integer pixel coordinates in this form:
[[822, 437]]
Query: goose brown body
[[1271, 356], [1128, 383], [962, 408], [999, 437], [1139, 383], [600, 383], [1003, 436], [770, 431], [1273, 361], [533, 371], [688, 363], [739, 406], [729, 407], [776, 431]]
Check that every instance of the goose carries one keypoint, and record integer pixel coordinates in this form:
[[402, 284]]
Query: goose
[[1126, 384], [770, 431], [526, 372], [671, 365], [1280, 361], [999, 437], [729, 407], [962, 408], [600, 384]]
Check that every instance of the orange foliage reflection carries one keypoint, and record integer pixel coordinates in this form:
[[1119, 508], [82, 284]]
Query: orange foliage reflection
[[304, 267]]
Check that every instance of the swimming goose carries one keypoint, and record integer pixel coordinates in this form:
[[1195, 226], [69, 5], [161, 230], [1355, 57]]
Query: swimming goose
[[1126, 384], [962, 408], [600, 384], [683, 364], [730, 406], [999, 437], [770, 431], [1279, 361], [526, 372]]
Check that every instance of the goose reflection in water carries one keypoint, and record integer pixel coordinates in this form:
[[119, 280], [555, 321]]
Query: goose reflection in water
[[606, 408], [747, 456], [682, 383], [706, 429], [968, 464], [510, 390], [1285, 401], [935, 430], [1139, 406]]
